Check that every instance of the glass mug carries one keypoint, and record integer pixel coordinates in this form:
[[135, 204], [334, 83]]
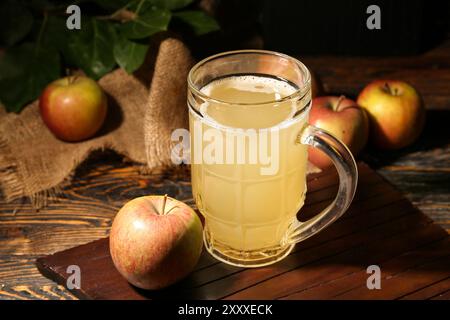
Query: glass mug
[[248, 121]]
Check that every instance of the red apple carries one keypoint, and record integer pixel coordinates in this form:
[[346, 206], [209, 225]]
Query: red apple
[[155, 241], [396, 113], [73, 108], [344, 119]]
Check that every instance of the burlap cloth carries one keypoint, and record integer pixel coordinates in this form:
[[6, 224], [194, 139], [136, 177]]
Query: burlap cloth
[[144, 109]]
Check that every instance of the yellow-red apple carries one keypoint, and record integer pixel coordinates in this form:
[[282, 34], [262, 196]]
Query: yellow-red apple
[[73, 108], [396, 113], [155, 241], [344, 119]]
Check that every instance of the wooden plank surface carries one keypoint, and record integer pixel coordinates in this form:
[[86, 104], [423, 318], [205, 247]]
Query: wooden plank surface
[[381, 227]]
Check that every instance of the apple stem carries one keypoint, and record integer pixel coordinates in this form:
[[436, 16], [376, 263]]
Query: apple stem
[[162, 212], [164, 204], [392, 91], [338, 104], [388, 89], [72, 79]]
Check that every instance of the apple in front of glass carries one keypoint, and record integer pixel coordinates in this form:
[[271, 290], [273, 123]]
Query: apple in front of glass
[[155, 241]]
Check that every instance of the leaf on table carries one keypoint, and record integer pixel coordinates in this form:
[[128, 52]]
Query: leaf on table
[[91, 48], [24, 72], [15, 22], [129, 54], [146, 23], [199, 21]]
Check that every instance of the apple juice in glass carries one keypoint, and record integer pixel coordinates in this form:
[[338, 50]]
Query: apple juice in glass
[[248, 119]]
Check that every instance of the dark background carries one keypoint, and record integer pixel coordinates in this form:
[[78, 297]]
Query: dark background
[[326, 27]]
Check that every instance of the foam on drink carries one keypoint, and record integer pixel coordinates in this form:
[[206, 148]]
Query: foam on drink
[[248, 99]]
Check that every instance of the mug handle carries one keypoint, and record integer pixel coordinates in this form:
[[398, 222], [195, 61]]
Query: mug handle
[[348, 178]]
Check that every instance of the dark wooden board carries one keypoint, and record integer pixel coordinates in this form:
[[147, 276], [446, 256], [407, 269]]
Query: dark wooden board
[[381, 227]]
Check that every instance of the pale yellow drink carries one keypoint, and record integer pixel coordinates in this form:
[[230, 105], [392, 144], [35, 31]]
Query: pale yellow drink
[[246, 210]]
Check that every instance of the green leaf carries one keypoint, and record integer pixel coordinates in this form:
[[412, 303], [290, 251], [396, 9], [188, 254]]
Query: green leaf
[[145, 5], [15, 22], [199, 21], [129, 55], [169, 4], [56, 33], [91, 48], [112, 4], [25, 71], [10, 62], [147, 23], [41, 5]]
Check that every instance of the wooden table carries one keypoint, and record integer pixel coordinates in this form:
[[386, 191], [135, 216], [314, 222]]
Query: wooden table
[[104, 182]]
